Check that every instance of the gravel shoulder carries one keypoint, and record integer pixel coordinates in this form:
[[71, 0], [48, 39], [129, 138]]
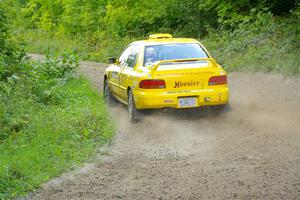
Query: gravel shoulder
[[252, 152]]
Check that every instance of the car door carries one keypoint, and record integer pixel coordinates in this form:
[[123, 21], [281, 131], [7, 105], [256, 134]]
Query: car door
[[115, 76], [127, 71]]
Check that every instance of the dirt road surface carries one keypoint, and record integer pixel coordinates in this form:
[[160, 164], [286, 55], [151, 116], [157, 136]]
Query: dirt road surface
[[252, 152]]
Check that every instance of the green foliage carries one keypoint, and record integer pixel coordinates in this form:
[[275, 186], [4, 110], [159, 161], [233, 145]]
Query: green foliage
[[65, 17], [50, 119], [38, 80], [138, 18], [3, 29], [134, 18], [266, 45], [44, 141]]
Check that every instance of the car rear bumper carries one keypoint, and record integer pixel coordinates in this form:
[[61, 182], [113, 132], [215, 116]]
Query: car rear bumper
[[165, 99]]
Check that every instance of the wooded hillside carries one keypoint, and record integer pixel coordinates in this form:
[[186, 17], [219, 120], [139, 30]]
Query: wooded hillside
[[135, 18]]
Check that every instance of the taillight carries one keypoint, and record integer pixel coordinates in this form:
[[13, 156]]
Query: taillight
[[152, 84], [218, 80]]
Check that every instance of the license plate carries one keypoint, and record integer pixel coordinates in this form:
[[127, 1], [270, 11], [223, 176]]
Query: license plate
[[187, 102]]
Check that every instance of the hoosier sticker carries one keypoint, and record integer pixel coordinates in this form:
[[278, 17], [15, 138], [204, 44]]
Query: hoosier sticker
[[179, 84]]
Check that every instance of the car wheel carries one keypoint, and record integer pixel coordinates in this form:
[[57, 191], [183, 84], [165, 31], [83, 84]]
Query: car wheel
[[132, 112], [108, 98]]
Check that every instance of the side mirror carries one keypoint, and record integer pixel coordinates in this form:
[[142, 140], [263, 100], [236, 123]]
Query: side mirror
[[111, 60]]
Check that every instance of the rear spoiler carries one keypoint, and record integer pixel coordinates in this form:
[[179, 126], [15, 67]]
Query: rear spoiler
[[211, 60]]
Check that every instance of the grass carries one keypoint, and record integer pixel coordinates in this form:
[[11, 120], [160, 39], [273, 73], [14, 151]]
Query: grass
[[52, 138], [105, 46]]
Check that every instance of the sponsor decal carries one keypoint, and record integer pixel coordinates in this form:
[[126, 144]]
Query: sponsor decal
[[168, 101], [180, 91], [179, 84], [175, 74]]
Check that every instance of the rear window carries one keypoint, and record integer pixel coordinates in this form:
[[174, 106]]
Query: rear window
[[155, 53]]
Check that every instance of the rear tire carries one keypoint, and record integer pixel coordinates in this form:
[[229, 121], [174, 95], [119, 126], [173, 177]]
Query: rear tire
[[132, 112], [108, 98]]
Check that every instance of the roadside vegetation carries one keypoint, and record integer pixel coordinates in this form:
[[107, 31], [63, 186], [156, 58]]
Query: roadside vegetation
[[241, 35], [51, 120]]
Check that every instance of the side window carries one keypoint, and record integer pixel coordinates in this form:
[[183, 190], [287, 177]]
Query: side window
[[123, 58], [132, 58]]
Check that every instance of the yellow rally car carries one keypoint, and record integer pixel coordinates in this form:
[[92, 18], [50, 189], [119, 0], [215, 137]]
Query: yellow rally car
[[165, 72]]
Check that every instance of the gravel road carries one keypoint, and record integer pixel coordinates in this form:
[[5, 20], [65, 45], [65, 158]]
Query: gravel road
[[252, 152]]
